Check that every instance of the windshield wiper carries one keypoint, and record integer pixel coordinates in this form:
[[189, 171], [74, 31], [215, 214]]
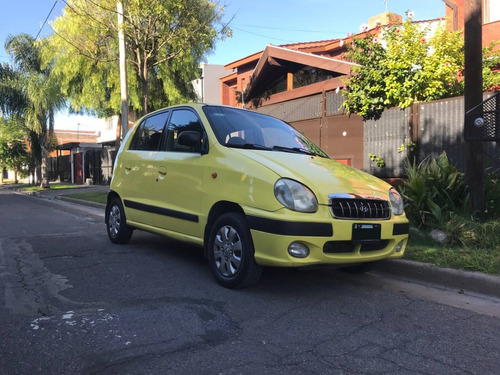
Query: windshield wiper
[[297, 150], [250, 146]]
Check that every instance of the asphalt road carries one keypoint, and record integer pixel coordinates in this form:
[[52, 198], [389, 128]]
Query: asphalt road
[[73, 303]]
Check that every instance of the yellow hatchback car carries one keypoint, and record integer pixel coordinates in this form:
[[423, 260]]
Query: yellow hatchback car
[[252, 191]]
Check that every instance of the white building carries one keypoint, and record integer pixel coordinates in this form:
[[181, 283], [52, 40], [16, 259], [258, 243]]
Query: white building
[[207, 86]]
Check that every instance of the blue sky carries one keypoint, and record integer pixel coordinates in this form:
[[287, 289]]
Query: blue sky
[[255, 24]]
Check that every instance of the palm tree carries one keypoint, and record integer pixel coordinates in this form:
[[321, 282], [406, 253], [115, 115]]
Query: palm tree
[[42, 94], [12, 101]]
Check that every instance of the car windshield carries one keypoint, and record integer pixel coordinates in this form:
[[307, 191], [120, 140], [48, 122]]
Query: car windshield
[[241, 128]]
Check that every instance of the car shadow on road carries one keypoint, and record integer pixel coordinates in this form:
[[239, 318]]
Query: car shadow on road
[[190, 259]]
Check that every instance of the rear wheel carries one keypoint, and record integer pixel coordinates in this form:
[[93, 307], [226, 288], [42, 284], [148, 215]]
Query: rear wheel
[[118, 230], [231, 252]]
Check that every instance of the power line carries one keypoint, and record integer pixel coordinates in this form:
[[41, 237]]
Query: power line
[[295, 30], [46, 19], [275, 28], [263, 36]]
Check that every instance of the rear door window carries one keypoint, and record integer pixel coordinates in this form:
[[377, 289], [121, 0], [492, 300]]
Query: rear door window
[[148, 136]]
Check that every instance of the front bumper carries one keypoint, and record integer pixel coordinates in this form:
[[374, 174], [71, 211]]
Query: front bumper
[[329, 240]]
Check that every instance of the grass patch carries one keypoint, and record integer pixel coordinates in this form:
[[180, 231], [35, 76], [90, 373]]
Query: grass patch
[[97, 196], [32, 188], [422, 248]]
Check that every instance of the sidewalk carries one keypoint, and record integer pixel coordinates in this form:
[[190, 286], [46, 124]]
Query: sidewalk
[[61, 194], [464, 282]]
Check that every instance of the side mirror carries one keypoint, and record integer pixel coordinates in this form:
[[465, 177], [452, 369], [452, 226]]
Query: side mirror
[[192, 139]]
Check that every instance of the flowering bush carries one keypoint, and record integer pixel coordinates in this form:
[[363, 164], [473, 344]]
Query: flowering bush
[[491, 67], [405, 64], [364, 27]]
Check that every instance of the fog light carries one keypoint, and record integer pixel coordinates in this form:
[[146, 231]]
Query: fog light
[[399, 246], [298, 250]]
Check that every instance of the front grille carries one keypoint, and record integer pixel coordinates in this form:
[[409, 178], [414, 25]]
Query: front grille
[[359, 208], [342, 247], [338, 247]]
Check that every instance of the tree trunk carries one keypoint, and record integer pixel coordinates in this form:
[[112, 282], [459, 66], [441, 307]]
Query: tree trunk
[[44, 173], [36, 175], [144, 87], [118, 135], [43, 166]]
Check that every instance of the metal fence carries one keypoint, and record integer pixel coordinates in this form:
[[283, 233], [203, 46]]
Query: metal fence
[[441, 130], [438, 128], [59, 168], [383, 138], [98, 166], [295, 110]]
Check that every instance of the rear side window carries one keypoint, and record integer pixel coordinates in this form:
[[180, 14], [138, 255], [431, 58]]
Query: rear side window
[[148, 135], [182, 120]]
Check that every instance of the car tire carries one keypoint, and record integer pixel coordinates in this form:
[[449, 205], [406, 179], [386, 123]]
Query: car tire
[[231, 252], [359, 268], [116, 224]]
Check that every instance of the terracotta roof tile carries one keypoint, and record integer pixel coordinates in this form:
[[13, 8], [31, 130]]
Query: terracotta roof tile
[[315, 45], [299, 45]]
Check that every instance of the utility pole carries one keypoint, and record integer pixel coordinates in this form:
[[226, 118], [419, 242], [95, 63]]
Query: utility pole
[[123, 70], [473, 94]]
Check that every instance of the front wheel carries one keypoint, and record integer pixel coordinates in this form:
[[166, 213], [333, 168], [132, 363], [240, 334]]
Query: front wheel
[[118, 230], [231, 252]]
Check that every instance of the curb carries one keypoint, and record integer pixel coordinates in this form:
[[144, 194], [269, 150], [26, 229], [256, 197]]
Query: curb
[[81, 202], [462, 281]]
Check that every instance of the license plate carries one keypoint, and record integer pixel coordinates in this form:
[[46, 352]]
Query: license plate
[[366, 232]]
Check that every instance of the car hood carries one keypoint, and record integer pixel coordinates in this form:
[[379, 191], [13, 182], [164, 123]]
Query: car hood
[[322, 175]]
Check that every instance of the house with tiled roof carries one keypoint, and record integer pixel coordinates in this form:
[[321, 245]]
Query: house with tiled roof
[[279, 73], [289, 71], [300, 83]]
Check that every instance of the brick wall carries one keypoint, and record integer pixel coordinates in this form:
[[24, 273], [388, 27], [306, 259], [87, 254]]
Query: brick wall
[[68, 136], [491, 31], [73, 136]]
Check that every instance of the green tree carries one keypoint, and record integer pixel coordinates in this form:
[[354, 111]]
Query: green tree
[[14, 154], [165, 41], [12, 105], [41, 92], [405, 64]]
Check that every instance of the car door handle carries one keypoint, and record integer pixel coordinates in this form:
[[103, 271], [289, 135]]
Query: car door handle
[[162, 172]]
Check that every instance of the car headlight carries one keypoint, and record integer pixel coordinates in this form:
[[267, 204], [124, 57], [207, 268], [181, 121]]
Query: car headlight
[[295, 196], [396, 202]]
